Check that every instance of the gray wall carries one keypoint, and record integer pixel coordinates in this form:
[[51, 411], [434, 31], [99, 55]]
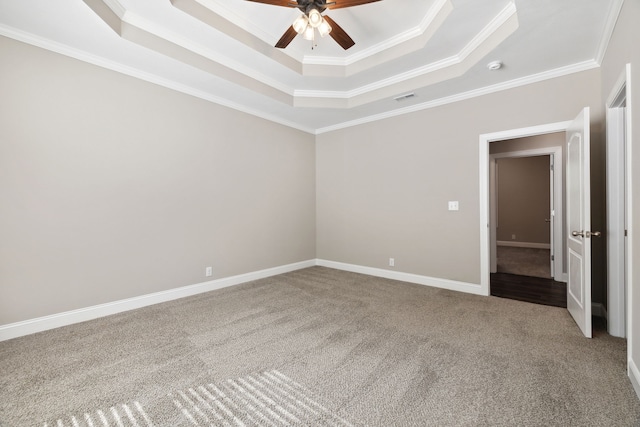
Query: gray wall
[[112, 187], [523, 196], [382, 188], [623, 49]]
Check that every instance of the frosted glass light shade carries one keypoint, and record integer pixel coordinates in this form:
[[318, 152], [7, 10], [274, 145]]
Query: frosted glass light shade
[[300, 24], [309, 33], [324, 28], [315, 19]]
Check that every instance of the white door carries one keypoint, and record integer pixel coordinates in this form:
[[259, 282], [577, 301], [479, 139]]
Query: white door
[[579, 222]]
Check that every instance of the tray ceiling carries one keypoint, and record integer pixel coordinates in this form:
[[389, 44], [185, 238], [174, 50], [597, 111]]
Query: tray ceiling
[[222, 50]]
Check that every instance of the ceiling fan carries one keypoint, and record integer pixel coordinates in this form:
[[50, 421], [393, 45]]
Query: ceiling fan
[[312, 20]]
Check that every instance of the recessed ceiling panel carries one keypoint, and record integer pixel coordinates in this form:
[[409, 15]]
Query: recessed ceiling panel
[[223, 50]]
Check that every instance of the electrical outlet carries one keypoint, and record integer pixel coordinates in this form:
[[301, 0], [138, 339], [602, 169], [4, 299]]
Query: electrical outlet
[[392, 262], [209, 272], [454, 206], [513, 237]]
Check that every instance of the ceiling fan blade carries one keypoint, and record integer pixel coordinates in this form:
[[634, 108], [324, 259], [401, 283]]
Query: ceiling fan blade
[[286, 38], [285, 3], [338, 4], [339, 35]]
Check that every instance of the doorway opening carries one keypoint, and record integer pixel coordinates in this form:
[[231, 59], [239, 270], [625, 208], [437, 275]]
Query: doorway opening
[[527, 220], [487, 249], [578, 231]]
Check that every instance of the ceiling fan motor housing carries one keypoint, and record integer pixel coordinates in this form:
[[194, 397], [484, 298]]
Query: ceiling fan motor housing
[[307, 6], [313, 20]]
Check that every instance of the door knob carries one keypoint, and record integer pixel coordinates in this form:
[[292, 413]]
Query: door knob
[[547, 220], [593, 234], [577, 233]]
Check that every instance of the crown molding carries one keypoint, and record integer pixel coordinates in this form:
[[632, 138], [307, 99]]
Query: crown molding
[[223, 19], [487, 90], [432, 20], [510, 11], [505, 24], [134, 20], [219, 23], [150, 35], [101, 62], [116, 7], [321, 97], [610, 26]]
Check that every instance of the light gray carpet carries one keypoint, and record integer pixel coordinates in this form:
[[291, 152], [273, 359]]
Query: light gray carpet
[[320, 347], [524, 261]]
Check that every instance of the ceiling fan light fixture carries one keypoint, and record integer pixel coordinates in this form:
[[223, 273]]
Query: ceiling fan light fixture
[[324, 28], [308, 33], [315, 19], [300, 24]]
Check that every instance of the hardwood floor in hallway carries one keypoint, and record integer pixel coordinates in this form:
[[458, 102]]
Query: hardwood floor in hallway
[[530, 289]]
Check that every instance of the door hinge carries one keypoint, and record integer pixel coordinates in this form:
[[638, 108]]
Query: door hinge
[[625, 233], [553, 257], [551, 167]]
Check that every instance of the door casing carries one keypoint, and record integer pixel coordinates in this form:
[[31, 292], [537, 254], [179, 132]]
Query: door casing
[[485, 193], [618, 109]]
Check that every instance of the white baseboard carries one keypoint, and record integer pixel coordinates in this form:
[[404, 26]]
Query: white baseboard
[[634, 376], [598, 309], [523, 244], [404, 277], [18, 329]]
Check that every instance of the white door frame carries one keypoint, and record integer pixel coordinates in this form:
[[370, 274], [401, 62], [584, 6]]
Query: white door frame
[[619, 265], [485, 192], [556, 195]]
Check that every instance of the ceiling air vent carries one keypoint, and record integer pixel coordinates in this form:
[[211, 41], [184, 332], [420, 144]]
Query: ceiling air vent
[[405, 97]]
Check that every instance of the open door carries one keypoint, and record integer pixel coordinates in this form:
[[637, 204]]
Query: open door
[[579, 222]]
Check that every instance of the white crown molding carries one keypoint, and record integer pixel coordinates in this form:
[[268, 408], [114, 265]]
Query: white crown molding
[[491, 36], [220, 24], [432, 20], [151, 78], [155, 79], [116, 7], [492, 27], [438, 12], [147, 34], [83, 56], [222, 19], [18, 329], [610, 26], [202, 51], [221, 9], [396, 79], [186, 55], [487, 90]]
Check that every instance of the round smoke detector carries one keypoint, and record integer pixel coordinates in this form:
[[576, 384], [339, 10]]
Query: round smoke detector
[[494, 65]]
